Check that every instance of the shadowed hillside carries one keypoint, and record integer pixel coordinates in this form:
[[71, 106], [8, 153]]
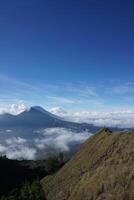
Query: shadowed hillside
[[19, 180], [102, 169]]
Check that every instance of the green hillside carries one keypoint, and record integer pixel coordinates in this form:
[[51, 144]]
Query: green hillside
[[102, 169]]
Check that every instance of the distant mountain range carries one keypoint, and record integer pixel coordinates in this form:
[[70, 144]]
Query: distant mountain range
[[35, 133], [38, 118]]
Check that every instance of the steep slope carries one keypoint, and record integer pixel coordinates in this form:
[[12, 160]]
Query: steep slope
[[102, 169]]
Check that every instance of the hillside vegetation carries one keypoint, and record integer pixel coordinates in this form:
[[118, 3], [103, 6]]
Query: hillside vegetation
[[103, 169], [19, 180]]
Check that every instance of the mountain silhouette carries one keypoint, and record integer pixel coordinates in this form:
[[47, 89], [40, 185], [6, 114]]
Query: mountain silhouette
[[37, 117]]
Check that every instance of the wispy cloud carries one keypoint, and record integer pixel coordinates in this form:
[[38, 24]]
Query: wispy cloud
[[123, 89], [60, 100], [13, 81], [82, 90], [13, 90], [72, 96]]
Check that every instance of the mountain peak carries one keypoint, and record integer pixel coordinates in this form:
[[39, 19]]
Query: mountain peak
[[107, 130], [38, 108], [42, 110]]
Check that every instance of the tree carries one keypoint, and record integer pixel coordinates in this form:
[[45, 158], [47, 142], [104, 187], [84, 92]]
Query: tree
[[29, 191]]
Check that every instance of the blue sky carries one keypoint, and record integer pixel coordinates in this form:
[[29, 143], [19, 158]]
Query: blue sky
[[77, 55]]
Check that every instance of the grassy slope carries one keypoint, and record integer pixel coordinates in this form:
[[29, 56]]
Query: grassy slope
[[102, 169]]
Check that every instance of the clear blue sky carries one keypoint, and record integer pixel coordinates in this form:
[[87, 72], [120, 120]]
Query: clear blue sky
[[77, 54]]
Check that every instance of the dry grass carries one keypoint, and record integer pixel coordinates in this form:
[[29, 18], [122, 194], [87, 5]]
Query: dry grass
[[102, 169]]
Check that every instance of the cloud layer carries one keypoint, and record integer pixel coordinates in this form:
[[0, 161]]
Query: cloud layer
[[17, 148], [116, 119], [13, 109], [60, 138], [47, 140]]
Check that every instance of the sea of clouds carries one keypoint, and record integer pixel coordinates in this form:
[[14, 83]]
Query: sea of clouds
[[116, 119], [54, 139], [122, 118], [60, 139]]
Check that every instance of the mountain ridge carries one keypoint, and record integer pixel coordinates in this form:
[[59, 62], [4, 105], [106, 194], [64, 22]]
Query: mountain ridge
[[102, 169], [38, 117]]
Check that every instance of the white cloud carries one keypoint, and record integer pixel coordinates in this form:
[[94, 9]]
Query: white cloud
[[58, 111], [60, 138], [55, 139], [15, 140], [8, 131], [120, 119], [17, 148], [13, 109], [21, 152], [2, 149], [17, 108]]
